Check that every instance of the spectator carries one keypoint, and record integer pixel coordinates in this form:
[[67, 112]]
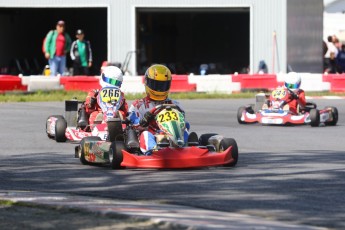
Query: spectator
[[341, 60], [330, 56], [81, 54], [56, 45]]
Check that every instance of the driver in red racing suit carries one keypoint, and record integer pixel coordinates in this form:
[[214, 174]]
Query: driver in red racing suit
[[297, 95], [111, 76]]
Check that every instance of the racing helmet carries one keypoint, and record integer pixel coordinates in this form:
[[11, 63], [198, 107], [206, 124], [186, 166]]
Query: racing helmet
[[111, 76], [292, 81], [157, 82]]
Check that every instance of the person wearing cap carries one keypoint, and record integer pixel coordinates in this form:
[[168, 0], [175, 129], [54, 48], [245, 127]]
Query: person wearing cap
[[57, 44], [81, 54]]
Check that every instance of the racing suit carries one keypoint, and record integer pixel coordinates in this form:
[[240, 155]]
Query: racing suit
[[295, 101], [137, 111], [92, 108]]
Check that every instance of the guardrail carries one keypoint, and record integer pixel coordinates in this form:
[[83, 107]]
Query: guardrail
[[180, 83]]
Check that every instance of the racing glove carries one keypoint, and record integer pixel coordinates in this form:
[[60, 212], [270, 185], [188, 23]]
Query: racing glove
[[148, 116], [133, 118]]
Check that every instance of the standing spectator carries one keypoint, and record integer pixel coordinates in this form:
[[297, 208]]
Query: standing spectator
[[81, 54], [56, 45], [341, 59], [330, 56]]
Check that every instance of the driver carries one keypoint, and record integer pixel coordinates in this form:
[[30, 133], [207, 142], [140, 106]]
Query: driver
[[111, 76], [297, 95], [157, 86]]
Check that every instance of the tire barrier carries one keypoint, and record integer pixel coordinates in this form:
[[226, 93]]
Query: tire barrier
[[180, 83]]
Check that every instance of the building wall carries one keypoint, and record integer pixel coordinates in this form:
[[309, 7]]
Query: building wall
[[266, 17], [304, 36]]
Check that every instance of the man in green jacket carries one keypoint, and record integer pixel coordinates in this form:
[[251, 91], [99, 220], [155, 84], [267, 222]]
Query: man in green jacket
[[57, 44]]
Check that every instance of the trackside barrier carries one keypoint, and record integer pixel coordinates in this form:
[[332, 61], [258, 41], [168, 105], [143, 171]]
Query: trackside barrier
[[39, 82], [184, 83], [11, 83], [256, 81], [82, 83], [180, 83], [215, 83], [133, 84], [336, 81]]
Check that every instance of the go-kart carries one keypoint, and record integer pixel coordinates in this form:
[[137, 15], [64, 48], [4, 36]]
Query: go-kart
[[172, 151], [74, 125], [273, 109]]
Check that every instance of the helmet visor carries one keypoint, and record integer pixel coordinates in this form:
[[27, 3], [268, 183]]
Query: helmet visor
[[111, 81], [292, 86], [159, 86]]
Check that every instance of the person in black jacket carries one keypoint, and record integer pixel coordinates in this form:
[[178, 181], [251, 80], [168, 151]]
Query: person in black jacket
[[81, 54]]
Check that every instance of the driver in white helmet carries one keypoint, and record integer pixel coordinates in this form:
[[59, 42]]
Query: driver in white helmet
[[297, 95], [111, 76]]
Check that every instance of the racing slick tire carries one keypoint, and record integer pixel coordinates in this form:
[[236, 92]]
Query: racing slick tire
[[239, 114], [203, 139], [60, 129], [314, 117], [334, 112], [115, 154], [47, 125], [82, 150], [226, 143]]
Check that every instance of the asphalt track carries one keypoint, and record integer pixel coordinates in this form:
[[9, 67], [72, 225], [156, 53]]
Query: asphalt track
[[290, 176]]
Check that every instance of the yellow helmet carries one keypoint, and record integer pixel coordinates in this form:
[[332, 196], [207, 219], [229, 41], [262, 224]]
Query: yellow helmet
[[157, 82]]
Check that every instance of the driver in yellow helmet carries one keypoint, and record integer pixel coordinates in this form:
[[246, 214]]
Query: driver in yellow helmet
[[157, 86]]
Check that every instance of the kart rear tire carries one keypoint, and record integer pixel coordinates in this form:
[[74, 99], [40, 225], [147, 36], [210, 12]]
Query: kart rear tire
[[203, 139], [81, 148], [239, 114], [226, 143], [334, 111], [115, 154], [314, 115], [60, 129]]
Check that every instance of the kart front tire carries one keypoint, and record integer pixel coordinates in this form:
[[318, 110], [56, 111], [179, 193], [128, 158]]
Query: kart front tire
[[82, 150], [60, 129], [239, 114], [48, 124], [115, 154], [335, 115], [225, 144], [314, 115], [203, 139]]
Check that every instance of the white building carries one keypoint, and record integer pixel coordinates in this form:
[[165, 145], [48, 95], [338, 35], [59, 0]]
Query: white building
[[231, 34]]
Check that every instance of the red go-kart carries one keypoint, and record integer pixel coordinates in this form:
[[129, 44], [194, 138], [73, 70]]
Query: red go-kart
[[273, 109], [172, 151], [74, 125]]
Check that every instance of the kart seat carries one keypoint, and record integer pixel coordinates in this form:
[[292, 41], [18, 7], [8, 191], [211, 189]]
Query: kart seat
[[193, 139]]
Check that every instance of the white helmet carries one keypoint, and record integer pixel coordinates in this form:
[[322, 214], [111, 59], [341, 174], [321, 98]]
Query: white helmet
[[111, 76], [292, 81]]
